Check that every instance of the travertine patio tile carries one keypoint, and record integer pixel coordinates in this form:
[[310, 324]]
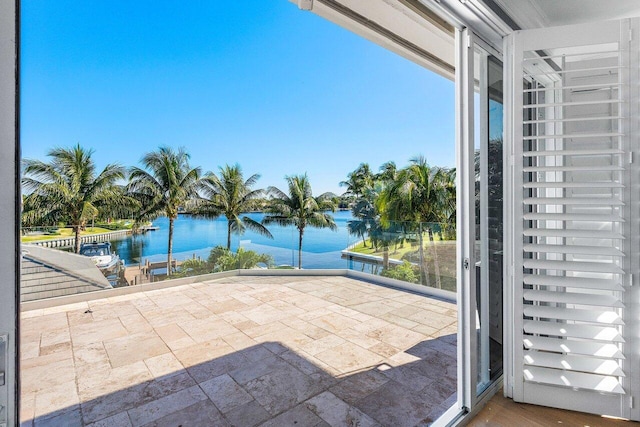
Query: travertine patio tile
[[135, 323], [314, 314], [27, 406], [289, 337], [166, 405], [259, 352], [397, 337], [357, 386], [55, 336], [357, 337], [426, 330], [48, 322], [112, 310], [225, 393], [233, 317], [248, 415], [244, 374], [259, 330], [298, 416], [383, 349], [165, 364], [282, 389], [202, 330], [202, 352], [97, 331], [323, 344], [220, 365], [200, 414], [29, 348], [63, 347], [264, 314], [334, 322], [68, 416], [132, 395], [118, 420], [317, 351], [160, 317], [349, 357], [65, 308], [371, 325], [399, 320], [132, 348], [54, 397], [102, 382], [41, 377], [394, 405], [239, 340], [229, 304], [174, 336], [338, 413], [90, 358]]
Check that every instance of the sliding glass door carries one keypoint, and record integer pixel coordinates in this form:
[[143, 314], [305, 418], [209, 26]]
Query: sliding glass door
[[480, 171]]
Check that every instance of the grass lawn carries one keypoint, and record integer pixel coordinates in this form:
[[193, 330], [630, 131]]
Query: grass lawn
[[63, 233], [442, 250], [395, 251]]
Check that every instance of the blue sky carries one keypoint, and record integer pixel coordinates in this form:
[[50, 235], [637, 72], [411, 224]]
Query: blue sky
[[277, 90]]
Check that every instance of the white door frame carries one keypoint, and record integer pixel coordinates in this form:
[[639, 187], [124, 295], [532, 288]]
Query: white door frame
[[9, 205]]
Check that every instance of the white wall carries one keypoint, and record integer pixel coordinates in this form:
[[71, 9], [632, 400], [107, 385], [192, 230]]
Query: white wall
[[8, 197]]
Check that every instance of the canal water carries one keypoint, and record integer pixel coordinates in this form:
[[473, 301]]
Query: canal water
[[197, 236]]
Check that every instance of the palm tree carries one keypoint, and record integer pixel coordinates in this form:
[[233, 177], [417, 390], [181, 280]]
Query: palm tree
[[358, 181], [420, 193], [230, 195], [166, 183], [300, 209], [68, 189]]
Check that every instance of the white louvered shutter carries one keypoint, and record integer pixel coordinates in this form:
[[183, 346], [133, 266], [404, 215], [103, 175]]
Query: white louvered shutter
[[575, 211]]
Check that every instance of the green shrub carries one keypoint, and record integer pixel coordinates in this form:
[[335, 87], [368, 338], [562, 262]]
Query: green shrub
[[405, 272]]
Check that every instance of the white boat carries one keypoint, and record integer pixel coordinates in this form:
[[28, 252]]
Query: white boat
[[100, 252]]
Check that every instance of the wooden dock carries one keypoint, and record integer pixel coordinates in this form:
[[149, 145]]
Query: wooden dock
[[145, 273]]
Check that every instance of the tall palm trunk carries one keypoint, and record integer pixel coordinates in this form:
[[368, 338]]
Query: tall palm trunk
[[76, 230], [436, 265], [385, 256], [424, 270], [300, 248], [170, 248], [228, 234]]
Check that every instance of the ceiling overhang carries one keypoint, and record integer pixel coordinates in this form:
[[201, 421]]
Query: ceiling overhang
[[405, 27]]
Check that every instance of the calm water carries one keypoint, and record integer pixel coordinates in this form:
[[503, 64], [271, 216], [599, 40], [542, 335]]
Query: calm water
[[321, 247]]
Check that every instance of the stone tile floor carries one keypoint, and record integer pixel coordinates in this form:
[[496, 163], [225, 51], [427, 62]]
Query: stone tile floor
[[242, 351]]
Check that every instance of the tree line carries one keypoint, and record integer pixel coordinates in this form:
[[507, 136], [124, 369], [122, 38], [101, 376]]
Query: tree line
[[69, 189]]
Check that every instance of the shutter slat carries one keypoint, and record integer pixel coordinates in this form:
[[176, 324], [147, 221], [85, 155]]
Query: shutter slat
[[573, 363], [572, 217], [573, 298], [574, 136], [592, 267], [573, 104], [563, 232], [573, 249], [573, 119], [573, 282], [595, 201], [601, 152], [573, 185], [605, 317], [594, 382], [588, 348], [568, 330], [594, 168]]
